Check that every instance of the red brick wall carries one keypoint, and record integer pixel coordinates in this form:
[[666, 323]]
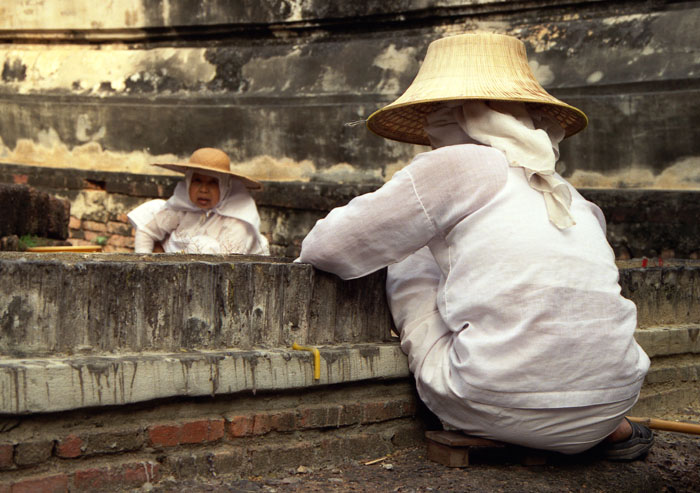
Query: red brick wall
[[106, 453], [114, 235]]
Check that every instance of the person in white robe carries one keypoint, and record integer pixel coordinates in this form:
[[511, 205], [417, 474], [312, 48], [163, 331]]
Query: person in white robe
[[211, 212], [500, 279]]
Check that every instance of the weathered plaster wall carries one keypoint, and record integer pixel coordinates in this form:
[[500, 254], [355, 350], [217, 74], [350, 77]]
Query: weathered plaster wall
[[120, 85]]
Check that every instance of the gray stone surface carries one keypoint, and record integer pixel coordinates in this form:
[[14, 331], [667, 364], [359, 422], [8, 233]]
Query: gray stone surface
[[37, 385], [97, 303]]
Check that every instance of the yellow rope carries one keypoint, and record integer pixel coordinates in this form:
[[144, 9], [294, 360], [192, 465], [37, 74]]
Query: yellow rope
[[317, 358]]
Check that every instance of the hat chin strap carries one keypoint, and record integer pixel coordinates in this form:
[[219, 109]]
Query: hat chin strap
[[508, 127]]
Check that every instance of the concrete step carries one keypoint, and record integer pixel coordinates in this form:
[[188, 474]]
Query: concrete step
[[96, 303]]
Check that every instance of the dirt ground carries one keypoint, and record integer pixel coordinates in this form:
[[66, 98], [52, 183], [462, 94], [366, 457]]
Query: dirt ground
[[672, 466]]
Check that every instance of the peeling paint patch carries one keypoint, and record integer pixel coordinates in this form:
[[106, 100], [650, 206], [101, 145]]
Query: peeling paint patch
[[395, 63], [14, 70], [50, 14], [269, 168], [543, 73], [683, 175], [60, 68], [84, 130], [346, 173], [621, 19], [596, 76], [48, 150], [264, 74]]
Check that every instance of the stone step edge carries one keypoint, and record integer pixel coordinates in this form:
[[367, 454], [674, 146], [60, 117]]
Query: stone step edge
[[54, 384], [60, 384], [669, 340]]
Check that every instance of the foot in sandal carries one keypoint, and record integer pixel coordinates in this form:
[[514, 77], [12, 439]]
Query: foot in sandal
[[624, 446]]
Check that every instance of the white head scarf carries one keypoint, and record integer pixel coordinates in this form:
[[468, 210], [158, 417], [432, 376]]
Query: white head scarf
[[234, 198], [529, 141]]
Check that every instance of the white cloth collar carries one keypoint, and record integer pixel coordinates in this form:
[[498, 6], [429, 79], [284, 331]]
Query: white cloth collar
[[528, 140]]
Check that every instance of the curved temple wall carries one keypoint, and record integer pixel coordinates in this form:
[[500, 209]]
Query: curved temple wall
[[120, 85]]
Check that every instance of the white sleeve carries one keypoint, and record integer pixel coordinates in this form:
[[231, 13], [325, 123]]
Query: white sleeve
[[162, 223], [425, 199], [370, 232], [142, 242]]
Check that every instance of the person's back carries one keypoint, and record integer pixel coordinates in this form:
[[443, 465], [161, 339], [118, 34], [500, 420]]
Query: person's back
[[539, 300]]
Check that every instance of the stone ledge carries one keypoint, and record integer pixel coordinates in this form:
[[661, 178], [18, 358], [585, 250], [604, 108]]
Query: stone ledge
[[59, 384], [131, 303], [667, 341]]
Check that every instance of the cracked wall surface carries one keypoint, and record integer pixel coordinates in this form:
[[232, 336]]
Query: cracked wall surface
[[285, 86]]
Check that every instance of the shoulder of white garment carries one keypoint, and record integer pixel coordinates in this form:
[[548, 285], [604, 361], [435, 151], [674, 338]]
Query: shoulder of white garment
[[462, 154]]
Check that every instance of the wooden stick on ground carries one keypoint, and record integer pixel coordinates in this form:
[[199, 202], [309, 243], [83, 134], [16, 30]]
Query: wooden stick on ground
[[662, 424]]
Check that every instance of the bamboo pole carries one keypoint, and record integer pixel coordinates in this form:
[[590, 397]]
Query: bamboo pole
[[662, 424]]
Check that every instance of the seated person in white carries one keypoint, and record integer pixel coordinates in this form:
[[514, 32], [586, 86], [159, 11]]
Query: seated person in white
[[500, 279], [211, 211]]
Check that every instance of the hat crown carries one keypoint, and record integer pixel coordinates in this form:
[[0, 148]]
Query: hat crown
[[209, 157], [477, 57]]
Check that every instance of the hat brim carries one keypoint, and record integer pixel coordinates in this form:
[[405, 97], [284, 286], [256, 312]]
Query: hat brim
[[182, 168], [404, 122]]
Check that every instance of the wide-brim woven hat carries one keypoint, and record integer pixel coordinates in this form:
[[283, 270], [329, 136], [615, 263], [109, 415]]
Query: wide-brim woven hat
[[469, 66], [210, 159]]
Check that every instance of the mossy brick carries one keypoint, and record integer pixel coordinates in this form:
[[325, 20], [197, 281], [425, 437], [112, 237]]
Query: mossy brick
[[31, 453], [163, 435], [74, 223], [381, 411], [94, 226], [58, 483], [28, 211], [284, 421], [96, 479], [113, 442], [281, 455], [136, 474], [185, 465], [350, 414], [194, 432], [20, 179], [227, 461], [118, 240], [6, 454], [92, 235], [320, 416], [240, 426], [217, 429], [69, 447], [204, 463], [262, 423], [119, 228]]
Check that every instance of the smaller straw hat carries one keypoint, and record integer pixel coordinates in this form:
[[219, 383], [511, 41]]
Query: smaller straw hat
[[210, 159], [469, 66]]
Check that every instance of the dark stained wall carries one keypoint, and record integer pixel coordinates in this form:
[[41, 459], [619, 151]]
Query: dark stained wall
[[275, 82]]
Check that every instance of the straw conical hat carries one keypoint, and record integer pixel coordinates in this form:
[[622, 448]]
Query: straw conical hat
[[210, 159], [469, 66]]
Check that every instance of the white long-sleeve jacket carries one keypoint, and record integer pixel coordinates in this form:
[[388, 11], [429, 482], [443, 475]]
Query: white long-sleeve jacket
[[535, 312]]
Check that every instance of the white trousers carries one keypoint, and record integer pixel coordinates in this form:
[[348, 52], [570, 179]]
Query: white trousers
[[412, 287]]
